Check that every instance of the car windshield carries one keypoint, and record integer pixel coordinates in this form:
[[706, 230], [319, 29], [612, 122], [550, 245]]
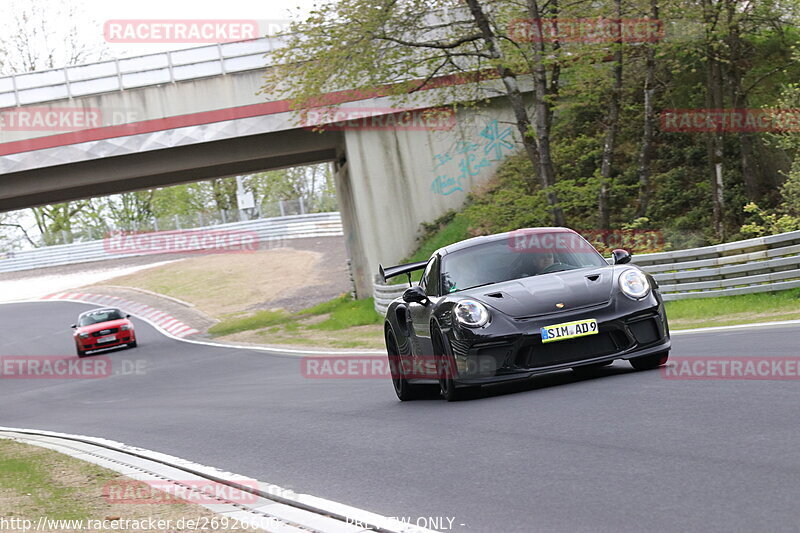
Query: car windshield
[[96, 317], [507, 259]]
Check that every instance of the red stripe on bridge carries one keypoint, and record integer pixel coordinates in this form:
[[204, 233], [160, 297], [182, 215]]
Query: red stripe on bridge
[[218, 115]]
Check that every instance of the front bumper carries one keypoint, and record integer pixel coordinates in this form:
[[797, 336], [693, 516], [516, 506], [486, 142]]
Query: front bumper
[[125, 337], [626, 329]]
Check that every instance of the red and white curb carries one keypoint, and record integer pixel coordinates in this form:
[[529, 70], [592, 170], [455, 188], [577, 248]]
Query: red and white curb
[[157, 318]]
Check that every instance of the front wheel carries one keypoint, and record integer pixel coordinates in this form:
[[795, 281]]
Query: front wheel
[[405, 391], [80, 352], [649, 362], [132, 344], [446, 369]]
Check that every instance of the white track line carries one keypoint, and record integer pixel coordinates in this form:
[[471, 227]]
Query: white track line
[[736, 326]]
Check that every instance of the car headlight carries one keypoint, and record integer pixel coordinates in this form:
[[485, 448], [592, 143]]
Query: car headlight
[[84, 335], [471, 313], [125, 327], [634, 284]]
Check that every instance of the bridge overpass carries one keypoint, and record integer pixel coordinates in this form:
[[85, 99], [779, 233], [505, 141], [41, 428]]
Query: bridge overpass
[[188, 115]]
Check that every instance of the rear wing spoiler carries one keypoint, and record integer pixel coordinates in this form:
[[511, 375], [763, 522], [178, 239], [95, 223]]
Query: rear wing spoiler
[[407, 269]]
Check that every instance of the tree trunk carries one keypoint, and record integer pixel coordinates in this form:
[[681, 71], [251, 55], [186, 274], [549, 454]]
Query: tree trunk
[[645, 153], [604, 210], [714, 101], [750, 171], [523, 122], [541, 114]]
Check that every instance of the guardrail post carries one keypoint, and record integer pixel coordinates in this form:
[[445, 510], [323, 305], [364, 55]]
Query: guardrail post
[[66, 82], [119, 74], [169, 64], [14, 86], [221, 59]]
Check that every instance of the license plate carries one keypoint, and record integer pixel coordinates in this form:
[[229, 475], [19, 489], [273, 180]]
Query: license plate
[[569, 330], [107, 338]]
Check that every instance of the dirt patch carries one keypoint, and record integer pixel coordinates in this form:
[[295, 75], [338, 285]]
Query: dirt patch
[[363, 337], [222, 284], [298, 275]]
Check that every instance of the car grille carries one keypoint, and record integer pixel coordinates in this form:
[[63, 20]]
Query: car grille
[[570, 350], [103, 332]]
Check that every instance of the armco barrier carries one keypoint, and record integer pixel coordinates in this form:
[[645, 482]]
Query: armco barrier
[[269, 230], [754, 265]]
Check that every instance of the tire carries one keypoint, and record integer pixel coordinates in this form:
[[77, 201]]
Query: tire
[[649, 362], [588, 370], [133, 344], [445, 365], [405, 391], [80, 352]]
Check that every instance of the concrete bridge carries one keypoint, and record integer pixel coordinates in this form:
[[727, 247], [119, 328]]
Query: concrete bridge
[[195, 114]]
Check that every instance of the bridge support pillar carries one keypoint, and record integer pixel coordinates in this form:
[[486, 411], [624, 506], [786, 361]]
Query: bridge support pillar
[[352, 230]]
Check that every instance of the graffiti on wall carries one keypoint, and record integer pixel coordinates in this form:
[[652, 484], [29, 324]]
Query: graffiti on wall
[[491, 144]]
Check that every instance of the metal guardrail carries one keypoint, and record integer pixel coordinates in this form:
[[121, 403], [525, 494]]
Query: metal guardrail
[[385, 293], [755, 265], [140, 71], [269, 231]]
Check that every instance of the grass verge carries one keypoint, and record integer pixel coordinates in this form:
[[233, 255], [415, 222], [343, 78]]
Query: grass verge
[[732, 310], [339, 323]]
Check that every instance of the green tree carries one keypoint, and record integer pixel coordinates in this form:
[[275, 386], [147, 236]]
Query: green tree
[[406, 46]]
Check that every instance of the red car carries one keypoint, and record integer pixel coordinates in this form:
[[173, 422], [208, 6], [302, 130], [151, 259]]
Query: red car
[[103, 328]]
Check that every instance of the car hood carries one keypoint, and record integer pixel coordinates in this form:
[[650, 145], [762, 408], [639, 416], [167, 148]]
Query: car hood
[[538, 295], [103, 325]]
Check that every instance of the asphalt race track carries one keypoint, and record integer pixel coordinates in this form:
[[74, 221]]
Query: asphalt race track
[[622, 451]]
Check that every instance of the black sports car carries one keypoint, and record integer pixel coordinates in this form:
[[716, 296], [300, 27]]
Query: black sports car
[[512, 305]]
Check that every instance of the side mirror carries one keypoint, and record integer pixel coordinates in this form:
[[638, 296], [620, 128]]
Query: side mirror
[[415, 294], [621, 256], [74, 326]]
